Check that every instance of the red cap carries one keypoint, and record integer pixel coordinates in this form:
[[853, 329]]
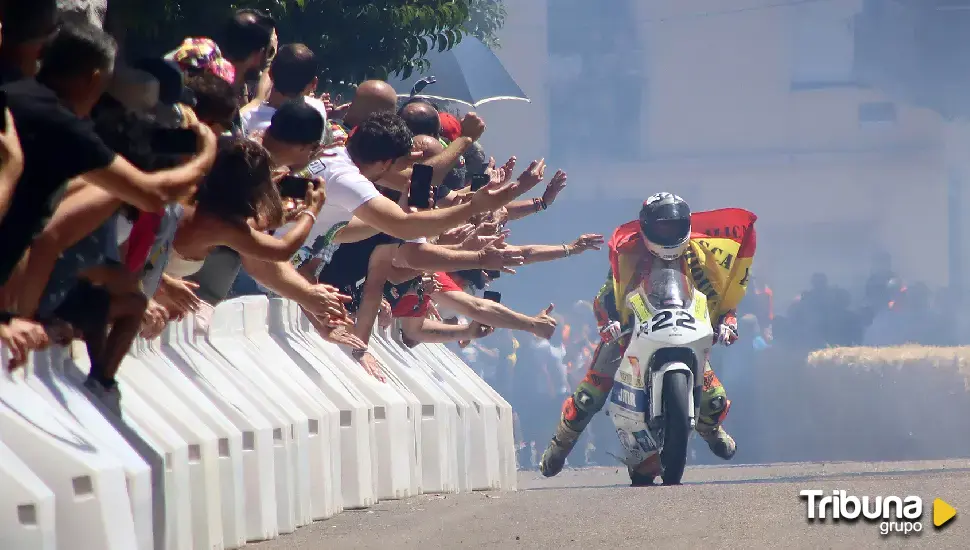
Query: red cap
[[450, 126]]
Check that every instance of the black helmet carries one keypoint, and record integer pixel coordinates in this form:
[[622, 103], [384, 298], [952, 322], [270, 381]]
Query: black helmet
[[665, 224]]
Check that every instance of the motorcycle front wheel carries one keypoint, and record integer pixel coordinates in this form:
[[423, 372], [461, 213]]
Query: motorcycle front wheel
[[676, 426]]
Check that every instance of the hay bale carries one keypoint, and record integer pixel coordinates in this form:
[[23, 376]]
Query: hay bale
[[949, 360]]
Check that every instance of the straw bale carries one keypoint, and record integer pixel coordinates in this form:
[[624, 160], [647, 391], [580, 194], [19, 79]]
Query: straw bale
[[909, 356]]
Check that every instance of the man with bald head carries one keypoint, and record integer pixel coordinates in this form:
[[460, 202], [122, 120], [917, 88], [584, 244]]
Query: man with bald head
[[421, 117], [372, 96]]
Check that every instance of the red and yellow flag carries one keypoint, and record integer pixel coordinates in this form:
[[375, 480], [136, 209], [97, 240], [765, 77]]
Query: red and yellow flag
[[719, 258]]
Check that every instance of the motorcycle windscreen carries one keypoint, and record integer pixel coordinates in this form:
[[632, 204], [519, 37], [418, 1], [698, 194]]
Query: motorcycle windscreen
[[668, 286]]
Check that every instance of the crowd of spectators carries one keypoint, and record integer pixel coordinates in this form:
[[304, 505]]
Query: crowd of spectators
[[885, 311], [137, 192]]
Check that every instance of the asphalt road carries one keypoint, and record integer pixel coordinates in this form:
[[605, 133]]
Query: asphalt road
[[753, 506]]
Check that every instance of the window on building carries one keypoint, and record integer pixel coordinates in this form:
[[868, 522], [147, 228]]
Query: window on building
[[822, 45]]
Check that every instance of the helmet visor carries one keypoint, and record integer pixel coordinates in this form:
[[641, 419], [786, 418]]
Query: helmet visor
[[667, 232]]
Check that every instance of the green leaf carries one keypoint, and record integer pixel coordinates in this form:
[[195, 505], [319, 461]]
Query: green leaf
[[359, 38]]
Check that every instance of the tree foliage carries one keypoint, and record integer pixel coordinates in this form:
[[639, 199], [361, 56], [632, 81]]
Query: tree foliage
[[355, 39]]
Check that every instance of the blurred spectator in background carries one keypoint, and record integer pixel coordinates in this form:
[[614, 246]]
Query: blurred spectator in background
[[760, 302]]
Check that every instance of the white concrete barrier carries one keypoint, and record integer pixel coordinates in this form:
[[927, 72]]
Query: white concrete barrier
[[355, 470], [52, 381], [149, 425], [393, 431], [241, 434], [504, 435], [92, 510], [437, 415], [27, 519], [321, 412], [253, 422], [225, 337], [203, 443]]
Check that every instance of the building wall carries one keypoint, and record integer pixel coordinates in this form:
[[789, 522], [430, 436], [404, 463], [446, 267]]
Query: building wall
[[755, 108]]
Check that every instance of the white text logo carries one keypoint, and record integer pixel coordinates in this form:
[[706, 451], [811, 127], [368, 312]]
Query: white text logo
[[894, 514]]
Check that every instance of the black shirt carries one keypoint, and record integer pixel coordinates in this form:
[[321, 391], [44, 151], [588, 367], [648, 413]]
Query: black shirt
[[348, 267], [57, 146]]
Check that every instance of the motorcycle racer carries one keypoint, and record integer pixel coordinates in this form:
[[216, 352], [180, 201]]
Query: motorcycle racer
[[717, 248]]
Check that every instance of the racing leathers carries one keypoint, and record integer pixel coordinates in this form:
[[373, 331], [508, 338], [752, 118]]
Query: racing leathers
[[594, 390]]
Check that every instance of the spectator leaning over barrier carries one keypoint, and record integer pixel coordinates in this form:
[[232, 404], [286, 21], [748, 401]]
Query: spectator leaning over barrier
[[380, 145], [412, 311], [61, 145], [362, 269], [237, 197]]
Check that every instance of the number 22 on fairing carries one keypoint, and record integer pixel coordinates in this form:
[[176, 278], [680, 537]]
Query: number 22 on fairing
[[665, 320]]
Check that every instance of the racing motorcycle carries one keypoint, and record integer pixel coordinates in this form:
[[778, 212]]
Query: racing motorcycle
[[657, 388]]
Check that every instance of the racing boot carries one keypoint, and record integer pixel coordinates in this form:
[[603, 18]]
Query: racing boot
[[554, 457], [720, 442], [714, 409]]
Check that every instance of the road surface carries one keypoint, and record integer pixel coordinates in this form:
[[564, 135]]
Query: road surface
[[750, 506]]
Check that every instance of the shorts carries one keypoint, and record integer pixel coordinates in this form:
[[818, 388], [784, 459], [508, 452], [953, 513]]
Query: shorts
[[85, 307]]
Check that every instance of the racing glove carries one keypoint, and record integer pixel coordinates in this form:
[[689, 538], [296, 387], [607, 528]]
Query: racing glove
[[727, 329], [610, 332]]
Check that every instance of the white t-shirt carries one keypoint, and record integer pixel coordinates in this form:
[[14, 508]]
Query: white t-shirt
[[347, 190], [258, 119]]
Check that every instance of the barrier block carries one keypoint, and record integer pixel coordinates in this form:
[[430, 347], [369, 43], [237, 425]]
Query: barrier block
[[320, 411], [393, 431], [354, 469], [142, 419], [284, 446], [92, 509], [229, 439], [258, 461], [436, 413], [52, 381], [505, 436], [227, 336], [485, 473], [27, 516], [204, 455]]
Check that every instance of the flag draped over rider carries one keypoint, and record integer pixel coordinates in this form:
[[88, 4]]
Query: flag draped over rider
[[722, 246]]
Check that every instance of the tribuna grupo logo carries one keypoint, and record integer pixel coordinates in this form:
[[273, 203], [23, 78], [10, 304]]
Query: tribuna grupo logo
[[899, 515]]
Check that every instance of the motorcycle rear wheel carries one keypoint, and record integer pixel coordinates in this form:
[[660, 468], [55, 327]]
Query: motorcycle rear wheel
[[676, 427]]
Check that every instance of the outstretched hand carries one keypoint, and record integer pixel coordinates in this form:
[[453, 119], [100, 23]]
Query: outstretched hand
[[495, 195]]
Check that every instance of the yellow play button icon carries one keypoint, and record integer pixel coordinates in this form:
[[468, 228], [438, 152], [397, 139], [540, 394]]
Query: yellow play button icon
[[942, 513]]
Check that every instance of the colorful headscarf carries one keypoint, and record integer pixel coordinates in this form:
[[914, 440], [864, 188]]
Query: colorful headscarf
[[203, 54]]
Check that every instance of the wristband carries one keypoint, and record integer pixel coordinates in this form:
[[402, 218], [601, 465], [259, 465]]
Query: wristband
[[536, 204], [308, 213], [542, 202], [358, 354], [565, 248]]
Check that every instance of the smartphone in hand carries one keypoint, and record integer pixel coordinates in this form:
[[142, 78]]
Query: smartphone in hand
[[492, 296], [294, 187], [174, 141], [419, 195], [479, 181]]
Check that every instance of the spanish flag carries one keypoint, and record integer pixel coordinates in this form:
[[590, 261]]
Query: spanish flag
[[719, 258]]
